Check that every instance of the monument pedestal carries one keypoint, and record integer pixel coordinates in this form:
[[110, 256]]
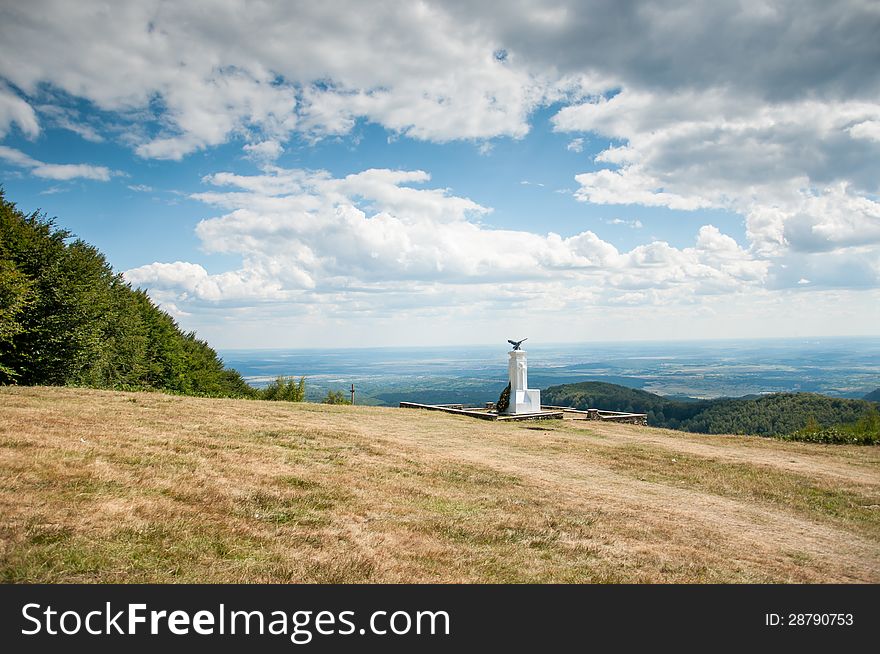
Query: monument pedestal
[[527, 401], [522, 398]]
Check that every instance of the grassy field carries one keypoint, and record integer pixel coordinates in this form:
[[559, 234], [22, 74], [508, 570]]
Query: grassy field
[[98, 486]]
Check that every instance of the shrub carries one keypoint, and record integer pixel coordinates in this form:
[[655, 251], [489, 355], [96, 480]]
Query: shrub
[[503, 400], [335, 397], [285, 389], [865, 431]]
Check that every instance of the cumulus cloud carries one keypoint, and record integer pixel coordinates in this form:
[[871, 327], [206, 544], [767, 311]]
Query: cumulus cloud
[[777, 50], [308, 237], [719, 104], [193, 281], [632, 186], [765, 109], [867, 129], [14, 110], [803, 172], [208, 73], [55, 171], [454, 70], [832, 220]]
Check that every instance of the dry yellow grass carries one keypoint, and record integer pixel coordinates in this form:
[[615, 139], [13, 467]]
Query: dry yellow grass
[[142, 487]]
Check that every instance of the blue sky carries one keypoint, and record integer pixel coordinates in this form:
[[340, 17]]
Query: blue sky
[[286, 175], [144, 215]]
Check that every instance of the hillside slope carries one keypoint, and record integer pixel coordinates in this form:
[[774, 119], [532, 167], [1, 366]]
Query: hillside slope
[[99, 486], [775, 414]]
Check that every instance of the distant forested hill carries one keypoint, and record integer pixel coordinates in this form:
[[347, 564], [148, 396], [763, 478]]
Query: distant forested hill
[[873, 396], [67, 319], [781, 413], [662, 412]]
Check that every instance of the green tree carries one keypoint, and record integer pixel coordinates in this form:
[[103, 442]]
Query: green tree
[[285, 389], [67, 318], [15, 297], [777, 414], [335, 397]]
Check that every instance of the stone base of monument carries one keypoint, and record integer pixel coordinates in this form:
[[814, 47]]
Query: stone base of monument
[[525, 401]]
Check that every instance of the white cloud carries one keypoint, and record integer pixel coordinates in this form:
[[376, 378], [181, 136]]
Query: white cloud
[[766, 110], [52, 190], [17, 158], [803, 172], [696, 119], [193, 281], [268, 150], [631, 186], [14, 110], [55, 171], [70, 120], [485, 148], [308, 238], [632, 224], [575, 145], [208, 74], [867, 129], [72, 171], [833, 219], [452, 70]]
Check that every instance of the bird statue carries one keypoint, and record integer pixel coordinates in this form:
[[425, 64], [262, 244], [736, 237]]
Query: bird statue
[[516, 344]]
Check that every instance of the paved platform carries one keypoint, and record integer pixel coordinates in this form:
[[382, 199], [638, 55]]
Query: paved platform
[[546, 413], [483, 414]]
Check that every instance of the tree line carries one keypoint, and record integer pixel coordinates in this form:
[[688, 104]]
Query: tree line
[[67, 319], [807, 416]]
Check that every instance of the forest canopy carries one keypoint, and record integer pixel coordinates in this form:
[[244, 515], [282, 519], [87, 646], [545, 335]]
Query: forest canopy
[[67, 319], [779, 414]]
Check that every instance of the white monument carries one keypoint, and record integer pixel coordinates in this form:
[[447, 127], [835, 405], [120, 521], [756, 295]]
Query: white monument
[[522, 398]]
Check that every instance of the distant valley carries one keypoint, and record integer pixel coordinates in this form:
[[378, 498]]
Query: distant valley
[[835, 367]]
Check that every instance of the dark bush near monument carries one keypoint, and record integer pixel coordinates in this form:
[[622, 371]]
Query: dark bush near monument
[[503, 400]]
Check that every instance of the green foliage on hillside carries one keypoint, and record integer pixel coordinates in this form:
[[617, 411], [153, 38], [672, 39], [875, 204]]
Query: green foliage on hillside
[[661, 411], [335, 397], [284, 389], [779, 414], [67, 319], [865, 431]]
